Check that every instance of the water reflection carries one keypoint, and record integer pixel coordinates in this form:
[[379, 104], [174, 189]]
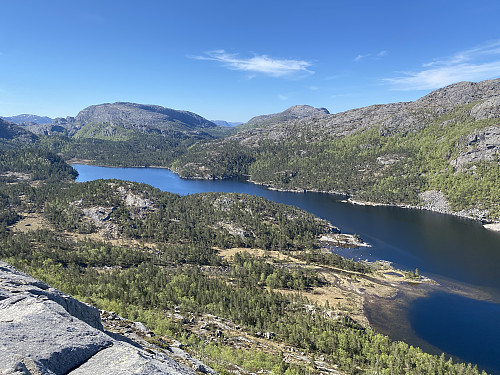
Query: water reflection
[[443, 247]]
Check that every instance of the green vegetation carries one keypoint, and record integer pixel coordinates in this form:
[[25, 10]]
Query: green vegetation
[[371, 165], [169, 263], [254, 272], [35, 164], [174, 267], [106, 277], [205, 220], [124, 149]]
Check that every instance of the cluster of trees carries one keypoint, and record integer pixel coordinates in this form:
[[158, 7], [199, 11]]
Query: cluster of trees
[[146, 290], [254, 271], [224, 159], [316, 256], [138, 150], [35, 163], [204, 220]]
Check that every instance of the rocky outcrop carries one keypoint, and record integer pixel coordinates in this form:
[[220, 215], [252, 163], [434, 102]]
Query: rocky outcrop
[[44, 331], [482, 145], [293, 113], [393, 117], [435, 201], [144, 118], [489, 108], [460, 93]]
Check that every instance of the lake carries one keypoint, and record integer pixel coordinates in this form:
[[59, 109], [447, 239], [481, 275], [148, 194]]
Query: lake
[[460, 254]]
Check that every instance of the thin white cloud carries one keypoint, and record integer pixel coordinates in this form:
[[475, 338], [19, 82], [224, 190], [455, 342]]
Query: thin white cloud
[[282, 97], [375, 56], [361, 57], [475, 64], [261, 64]]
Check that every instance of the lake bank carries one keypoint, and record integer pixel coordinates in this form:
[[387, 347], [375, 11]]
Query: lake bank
[[345, 197], [443, 247]]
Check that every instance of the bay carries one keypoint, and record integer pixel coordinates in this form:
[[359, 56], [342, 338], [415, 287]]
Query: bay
[[460, 254]]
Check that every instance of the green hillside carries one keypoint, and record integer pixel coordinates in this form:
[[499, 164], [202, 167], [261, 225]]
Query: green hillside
[[394, 154]]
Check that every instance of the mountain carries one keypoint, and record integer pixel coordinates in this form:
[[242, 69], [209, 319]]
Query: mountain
[[225, 123], [26, 119], [15, 133], [121, 119], [439, 152], [127, 134], [293, 113]]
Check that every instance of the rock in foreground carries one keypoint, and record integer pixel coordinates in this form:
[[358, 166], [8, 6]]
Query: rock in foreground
[[44, 331]]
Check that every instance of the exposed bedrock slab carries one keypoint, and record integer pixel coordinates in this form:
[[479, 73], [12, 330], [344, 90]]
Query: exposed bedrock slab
[[43, 331]]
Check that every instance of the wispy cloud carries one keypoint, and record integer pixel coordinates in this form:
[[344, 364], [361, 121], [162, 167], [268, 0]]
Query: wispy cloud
[[361, 57], [475, 64], [282, 97], [261, 64], [375, 56]]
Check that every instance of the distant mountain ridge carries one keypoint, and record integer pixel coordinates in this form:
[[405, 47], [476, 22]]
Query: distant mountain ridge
[[141, 117], [293, 113], [10, 132], [27, 119]]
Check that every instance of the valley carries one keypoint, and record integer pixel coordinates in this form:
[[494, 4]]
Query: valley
[[220, 270]]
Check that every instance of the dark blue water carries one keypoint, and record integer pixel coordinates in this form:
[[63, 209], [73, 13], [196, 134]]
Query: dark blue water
[[444, 247], [456, 324]]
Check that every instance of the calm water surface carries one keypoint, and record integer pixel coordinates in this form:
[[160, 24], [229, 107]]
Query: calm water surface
[[454, 251]]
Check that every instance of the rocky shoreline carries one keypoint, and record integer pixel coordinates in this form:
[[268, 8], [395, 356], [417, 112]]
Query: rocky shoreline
[[433, 201]]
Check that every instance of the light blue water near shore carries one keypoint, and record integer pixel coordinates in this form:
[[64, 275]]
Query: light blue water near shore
[[443, 247]]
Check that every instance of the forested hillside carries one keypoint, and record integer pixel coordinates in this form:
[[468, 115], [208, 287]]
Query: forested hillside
[[446, 144], [125, 134], [156, 257]]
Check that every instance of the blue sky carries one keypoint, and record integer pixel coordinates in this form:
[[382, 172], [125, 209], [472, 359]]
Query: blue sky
[[235, 59]]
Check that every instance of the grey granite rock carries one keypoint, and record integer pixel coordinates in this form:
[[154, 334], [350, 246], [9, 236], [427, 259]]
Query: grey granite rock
[[142, 117], [293, 113], [490, 108], [125, 359], [38, 332], [44, 331], [460, 93], [482, 145], [435, 201], [14, 282]]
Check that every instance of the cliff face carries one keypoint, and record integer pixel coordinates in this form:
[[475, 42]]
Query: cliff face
[[44, 331]]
